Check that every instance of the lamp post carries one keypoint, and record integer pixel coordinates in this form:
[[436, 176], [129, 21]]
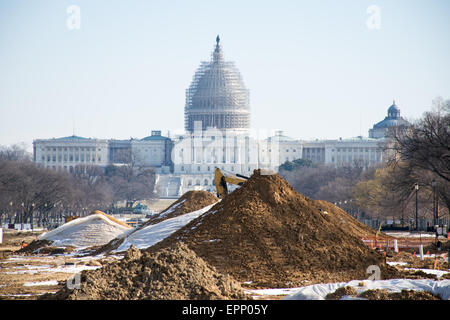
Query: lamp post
[[417, 207], [435, 204]]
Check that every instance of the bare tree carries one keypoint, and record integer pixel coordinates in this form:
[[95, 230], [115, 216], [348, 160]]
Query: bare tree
[[14, 152], [426, 144]]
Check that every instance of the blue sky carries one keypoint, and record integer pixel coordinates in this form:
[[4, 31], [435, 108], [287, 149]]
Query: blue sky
[[314, 68]]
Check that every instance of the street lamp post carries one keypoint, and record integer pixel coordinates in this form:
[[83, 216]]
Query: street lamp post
[[417, 207], [435, 204]]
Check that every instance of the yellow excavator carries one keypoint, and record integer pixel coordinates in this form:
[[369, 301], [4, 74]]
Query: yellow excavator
[[221, 180]]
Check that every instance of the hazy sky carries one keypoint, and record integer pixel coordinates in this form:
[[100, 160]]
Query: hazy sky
[[315, 69]]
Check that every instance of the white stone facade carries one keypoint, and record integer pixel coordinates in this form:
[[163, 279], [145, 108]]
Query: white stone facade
[[345, 152], [66, 153]]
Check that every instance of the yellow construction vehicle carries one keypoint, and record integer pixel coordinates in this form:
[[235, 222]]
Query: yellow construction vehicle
[[221, 180]]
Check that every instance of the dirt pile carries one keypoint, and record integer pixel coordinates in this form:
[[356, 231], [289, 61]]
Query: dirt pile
[[382, 294], [268, 234], [174, 273], [34, 245], [188, 202]]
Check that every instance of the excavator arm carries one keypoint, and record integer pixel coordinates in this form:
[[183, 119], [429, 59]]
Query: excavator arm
[[221, 180]]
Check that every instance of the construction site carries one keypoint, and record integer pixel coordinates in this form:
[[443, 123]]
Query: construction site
[[262, 241]]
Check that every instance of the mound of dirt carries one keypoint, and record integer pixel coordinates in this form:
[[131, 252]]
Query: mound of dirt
[[341, 292], [174, 273], [34, 245], [188, 202], [267, 233], [381, 294]]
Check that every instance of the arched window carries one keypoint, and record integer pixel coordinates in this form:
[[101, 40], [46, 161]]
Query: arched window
[[197, 182], [189, 182], [206, 182]]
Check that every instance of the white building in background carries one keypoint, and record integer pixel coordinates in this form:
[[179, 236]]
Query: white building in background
[[65, 153], [218, 134], [153, 151], [393, 119], [366, 152]]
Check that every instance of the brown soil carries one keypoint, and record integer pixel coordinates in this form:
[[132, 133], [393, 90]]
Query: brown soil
[[381, 294], [268, 233], [12, 239], [188, 202], [173, 273], [415, 262], [339, 293], [34, 245]]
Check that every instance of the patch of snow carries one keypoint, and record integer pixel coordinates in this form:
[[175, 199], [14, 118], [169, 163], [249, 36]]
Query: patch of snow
[[172, 209], [72, 268], [411, 235], [438, 273], [319, 291], [148, 236], [273, 292], [394, 263], [42, 283], [93, 230]]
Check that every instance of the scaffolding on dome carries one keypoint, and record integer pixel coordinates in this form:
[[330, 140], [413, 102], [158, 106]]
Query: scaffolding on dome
[[217, 96]]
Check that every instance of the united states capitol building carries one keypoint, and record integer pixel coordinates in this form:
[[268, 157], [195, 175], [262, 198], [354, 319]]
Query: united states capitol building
[[218, 133]]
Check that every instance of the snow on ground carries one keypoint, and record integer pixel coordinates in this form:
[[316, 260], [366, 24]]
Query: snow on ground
[[272, 292], [148, 236], [393, 263], [400, 234], [93, 230], [319, 291], [438, 273], [41, 283], [50, 269], [172, 209]]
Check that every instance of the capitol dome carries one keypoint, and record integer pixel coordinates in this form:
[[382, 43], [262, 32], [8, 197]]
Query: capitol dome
[[217, 96]]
